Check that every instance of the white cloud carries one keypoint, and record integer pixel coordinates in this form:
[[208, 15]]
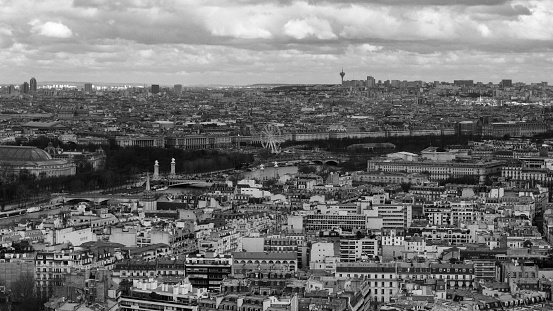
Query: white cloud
[[50, 29], [370, 48], [309, 27], [484, 30]]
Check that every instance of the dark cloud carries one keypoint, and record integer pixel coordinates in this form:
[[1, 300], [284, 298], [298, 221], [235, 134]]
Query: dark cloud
[[392, 2], [505, 10]]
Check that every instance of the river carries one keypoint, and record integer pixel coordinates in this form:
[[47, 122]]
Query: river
[[270, 172]]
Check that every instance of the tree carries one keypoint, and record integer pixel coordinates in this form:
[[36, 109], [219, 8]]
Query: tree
[[23, 294], [125, 287], [307, 169]]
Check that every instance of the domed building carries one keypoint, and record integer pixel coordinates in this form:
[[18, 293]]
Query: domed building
[[35, 160]]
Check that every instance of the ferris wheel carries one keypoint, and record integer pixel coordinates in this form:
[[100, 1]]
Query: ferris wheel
[[271, 137]]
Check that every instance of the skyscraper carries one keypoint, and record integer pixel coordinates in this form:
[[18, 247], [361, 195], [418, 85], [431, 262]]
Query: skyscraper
[[178, 89], [88, 88], [342, 74], [155, 88], [371, 82], [24, 88], [33, 86], [506, 83]]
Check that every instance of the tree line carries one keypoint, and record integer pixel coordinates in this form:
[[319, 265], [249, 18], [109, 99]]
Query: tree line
[[122, 165]]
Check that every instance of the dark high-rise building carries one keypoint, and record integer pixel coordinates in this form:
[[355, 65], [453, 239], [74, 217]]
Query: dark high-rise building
[[24, 88], [465, 83], [506, 83], [371, 82], [178, 89], [155, 88], [88, 88], [32, 85]]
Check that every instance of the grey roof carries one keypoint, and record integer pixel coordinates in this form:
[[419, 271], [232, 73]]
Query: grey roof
[[23, 153], [43, 125]]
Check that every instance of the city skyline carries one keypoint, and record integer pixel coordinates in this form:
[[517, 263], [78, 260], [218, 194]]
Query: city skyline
[[280, 41]]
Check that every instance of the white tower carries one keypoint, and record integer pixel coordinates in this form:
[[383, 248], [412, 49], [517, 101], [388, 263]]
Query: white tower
[[173, 167], [156, 171], [262, 174]]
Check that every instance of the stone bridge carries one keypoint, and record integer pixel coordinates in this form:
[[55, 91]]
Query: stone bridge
[[331, 161], [99, 199]]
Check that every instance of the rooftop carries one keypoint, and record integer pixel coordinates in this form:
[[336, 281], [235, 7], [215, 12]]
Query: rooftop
[[23, 153]]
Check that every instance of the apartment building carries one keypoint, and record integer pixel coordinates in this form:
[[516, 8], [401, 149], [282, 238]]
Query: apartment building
[[51, 267], [245, 262], [453, 235], [151, 295], [394, 216], [382, 278], [322, 222], [352, 249], [143, 270], [209, 270]]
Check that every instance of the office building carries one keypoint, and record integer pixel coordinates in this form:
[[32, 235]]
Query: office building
[[371, 82], [178, 89], [394, 217], [24, 88], [155, 88], [465, 83], [438, 170], [353, 249], [506, 83], [33, 85], [209, 270], [321, 222], [154, 295], [514, 128], [88, 88]]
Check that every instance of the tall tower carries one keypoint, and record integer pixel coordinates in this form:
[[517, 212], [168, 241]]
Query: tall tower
[[32, 85], [24, 88], [342, 74], [178, 89], [156, 170], [88, 88], [172, 174], [155, 88], [148, 199]]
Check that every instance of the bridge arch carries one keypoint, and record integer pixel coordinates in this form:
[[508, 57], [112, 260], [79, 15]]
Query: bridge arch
[[331, 162]]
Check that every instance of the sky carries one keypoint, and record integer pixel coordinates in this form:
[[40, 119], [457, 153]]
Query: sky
[[240, 42]]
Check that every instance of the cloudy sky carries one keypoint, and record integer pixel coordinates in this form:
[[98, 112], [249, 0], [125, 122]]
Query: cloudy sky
[[274, 41]]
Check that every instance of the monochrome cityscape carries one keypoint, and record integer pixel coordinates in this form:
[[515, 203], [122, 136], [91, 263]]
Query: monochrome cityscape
[[294, 155]]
